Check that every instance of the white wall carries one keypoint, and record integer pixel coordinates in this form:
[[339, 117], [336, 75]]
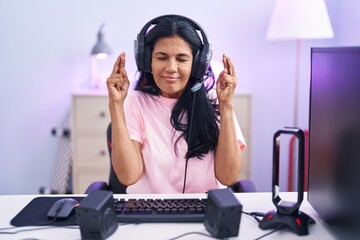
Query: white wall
[[45, 48]]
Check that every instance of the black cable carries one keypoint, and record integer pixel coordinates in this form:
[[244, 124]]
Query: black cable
[[1, 229], [186, 164], [71, 227], [276, 229], [31, 229], [42, 225], [255, 215], [190, 127], [26, 230], [189, 233], [136, 222], [47, 223]]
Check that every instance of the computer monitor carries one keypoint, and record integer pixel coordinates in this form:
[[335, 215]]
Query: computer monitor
[[334, 137]]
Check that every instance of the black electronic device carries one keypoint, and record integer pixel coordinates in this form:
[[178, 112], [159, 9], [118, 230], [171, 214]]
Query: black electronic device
[[142, 50], [223, 213], [287, 213], [96, 215], [334, 138], [62, 208], [160, 210]]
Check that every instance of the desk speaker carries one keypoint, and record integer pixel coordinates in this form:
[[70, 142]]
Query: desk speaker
[[96, 215], [223, 213]]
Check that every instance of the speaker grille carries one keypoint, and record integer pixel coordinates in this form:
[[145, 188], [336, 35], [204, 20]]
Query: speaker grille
[[223, 214]]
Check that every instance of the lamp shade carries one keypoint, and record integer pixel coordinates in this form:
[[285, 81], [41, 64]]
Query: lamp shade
[[100, 49], [299, 19]]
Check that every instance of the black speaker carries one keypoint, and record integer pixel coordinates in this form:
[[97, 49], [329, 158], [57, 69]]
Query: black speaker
[[96, 215], [201, 60], [223, 213]]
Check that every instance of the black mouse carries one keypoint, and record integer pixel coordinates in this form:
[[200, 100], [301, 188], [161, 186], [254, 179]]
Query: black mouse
[[62, 208]]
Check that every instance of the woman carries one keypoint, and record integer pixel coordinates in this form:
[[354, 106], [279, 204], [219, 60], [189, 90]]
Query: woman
[[167, 137]]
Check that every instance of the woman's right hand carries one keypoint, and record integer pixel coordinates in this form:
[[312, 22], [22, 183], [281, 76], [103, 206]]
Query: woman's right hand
[[118, 82]]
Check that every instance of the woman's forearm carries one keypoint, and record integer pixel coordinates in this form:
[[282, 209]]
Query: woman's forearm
[[126, 153], [228, 156]]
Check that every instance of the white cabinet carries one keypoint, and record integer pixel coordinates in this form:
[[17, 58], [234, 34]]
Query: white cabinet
[[242, 105], [90, 158]]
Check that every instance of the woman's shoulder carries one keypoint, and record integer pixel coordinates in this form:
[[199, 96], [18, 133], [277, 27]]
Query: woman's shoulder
[[211, 94], [138, 97], [135, 95]]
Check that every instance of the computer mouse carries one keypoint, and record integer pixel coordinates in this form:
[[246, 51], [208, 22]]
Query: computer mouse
[[62, 208]]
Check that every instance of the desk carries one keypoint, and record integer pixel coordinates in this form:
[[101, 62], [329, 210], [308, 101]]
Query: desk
[[10, 205]]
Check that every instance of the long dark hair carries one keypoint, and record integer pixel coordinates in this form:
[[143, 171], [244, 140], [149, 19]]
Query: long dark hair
[[201, 130]]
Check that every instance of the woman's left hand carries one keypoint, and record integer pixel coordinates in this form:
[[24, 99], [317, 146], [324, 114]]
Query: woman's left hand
[[226, 83]]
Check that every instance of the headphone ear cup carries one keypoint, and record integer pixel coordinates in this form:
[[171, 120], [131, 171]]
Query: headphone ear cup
[[147, 59], [195, 65], [202, 61], [139, 48]]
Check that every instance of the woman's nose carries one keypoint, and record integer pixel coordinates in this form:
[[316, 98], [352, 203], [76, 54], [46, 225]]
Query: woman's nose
[[171, 65]]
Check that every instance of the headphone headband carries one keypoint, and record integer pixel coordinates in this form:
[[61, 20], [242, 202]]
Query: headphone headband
[[201, 60], [195, 25]]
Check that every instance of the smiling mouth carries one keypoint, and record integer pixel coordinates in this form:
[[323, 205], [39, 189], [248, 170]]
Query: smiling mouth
[[170, 79]]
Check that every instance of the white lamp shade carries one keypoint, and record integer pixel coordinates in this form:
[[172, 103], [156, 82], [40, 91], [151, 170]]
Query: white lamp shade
[[299, 19]]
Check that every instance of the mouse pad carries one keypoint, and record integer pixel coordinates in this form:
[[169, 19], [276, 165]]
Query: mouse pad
[[35, 213]]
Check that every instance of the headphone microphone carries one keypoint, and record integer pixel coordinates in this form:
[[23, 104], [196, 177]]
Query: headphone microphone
[[198, 85]]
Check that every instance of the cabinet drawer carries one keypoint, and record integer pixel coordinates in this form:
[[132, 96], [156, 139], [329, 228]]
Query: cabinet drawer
[[242, 108], [85, 178], [91, 113], [91, 152]]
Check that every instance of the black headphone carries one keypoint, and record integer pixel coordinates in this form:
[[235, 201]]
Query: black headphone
[[201, 59]]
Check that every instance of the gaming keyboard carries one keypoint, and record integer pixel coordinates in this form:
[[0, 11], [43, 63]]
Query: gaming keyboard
[[160, 210]]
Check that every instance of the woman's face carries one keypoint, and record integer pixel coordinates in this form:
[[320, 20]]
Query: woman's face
[[171, 65]]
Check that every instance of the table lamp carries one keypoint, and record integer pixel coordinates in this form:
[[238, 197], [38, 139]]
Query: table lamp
[[99, 52], [297, 20]]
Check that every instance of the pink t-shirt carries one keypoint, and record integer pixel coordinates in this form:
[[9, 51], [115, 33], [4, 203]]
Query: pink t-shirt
[[148, 122]]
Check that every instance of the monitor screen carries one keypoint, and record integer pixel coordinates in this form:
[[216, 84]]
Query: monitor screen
[[334, 135]]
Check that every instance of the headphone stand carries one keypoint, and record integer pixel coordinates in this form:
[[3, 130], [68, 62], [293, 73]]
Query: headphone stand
[[287, 213], [297, 223]]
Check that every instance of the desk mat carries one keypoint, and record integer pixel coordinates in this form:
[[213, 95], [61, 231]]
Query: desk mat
[[35, 213]]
